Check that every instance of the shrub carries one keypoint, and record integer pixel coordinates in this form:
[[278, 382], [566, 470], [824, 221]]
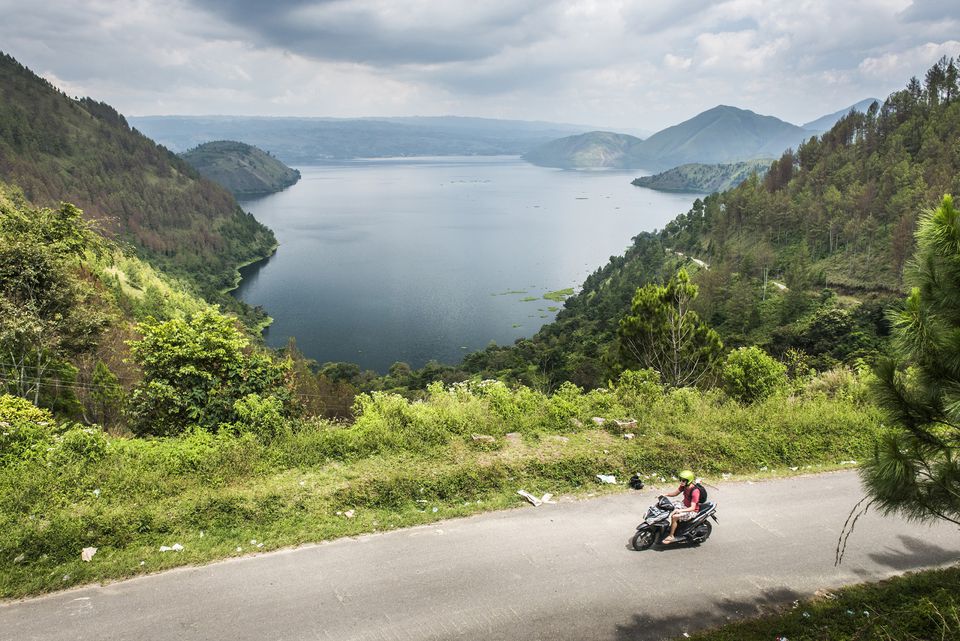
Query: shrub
[[750, 375], [26, 429], [262, 417]]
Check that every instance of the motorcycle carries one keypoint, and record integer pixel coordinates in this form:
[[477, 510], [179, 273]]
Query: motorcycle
[[656, 525]]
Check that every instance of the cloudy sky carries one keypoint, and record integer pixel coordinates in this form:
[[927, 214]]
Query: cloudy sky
[[616, 63]]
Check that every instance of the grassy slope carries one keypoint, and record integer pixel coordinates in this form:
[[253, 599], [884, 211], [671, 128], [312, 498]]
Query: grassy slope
[[397, 462], [916, 607]]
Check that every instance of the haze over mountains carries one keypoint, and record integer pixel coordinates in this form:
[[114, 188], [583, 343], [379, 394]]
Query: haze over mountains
[[311, 140], [720, 135]]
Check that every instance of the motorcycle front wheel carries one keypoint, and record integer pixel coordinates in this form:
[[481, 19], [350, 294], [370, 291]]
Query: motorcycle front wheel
[[643, 539]]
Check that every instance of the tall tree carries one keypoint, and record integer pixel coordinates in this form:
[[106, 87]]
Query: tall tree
[[916, 469], [662, 332]]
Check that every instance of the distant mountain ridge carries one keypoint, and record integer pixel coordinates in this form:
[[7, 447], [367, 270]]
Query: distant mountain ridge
[[720, 135], [243, 169], [311, 140], [824, 123]]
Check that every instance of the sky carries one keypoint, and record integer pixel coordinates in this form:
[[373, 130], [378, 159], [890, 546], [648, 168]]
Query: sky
[[618, 64]]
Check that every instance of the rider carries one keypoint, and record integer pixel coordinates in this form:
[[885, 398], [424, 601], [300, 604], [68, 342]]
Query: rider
[[691, 503]]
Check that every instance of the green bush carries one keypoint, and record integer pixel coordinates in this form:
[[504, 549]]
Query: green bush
[[262, 417], [26, 429], [750, 375]]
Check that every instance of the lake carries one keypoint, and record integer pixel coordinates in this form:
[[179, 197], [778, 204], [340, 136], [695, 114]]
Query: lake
[[430, 258]]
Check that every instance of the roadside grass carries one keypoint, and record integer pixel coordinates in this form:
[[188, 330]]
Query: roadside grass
[[923, 606], [463, 450]]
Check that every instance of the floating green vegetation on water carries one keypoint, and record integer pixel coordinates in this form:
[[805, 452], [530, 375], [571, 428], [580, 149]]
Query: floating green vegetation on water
[[515, 325], [510, 292], [527, 299], [560, 295], [552, 308]]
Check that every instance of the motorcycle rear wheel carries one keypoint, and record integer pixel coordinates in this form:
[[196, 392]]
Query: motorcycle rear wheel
[[643, 539], [702, 532]]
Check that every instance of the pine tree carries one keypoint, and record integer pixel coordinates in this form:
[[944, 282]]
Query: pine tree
[[915, 470]]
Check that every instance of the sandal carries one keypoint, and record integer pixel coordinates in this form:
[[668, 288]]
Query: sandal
[[668, 540]]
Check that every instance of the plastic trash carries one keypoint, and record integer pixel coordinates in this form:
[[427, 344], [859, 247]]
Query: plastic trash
[[607, 478], [176, 547], [628, 436], [87, 553], [349, 514], [530, 497]]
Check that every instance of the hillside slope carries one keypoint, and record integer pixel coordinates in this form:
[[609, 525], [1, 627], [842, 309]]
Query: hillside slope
[[719, 135], [59, 149], [243, 169], [595, 149]]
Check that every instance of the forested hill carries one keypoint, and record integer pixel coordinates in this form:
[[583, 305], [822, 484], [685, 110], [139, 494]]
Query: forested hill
[[701, 178], [592, 149], [802, 262], [81, 151], [243, 169]]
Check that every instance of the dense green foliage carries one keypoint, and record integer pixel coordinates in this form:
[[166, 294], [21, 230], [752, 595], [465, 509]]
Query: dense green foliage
[[201, 372], [701, 178], [241, 168], [750, 374], [395, 462], [916, 470], [48, 314], [916, 607], [56, 148]]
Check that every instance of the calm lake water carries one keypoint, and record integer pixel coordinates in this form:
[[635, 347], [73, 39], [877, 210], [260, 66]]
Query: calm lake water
[[430, 258]]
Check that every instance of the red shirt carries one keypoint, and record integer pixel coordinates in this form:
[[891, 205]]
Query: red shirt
[[691, 496]]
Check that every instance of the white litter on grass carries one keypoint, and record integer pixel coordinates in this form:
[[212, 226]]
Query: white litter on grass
[[239, 549], [848, 462], [253, 541], [598, 421], [628, 436], [547, 498], [143, 563], [607, 478], [349, 514], [530, 497], [763, 469], [201, 534], [794, 469], [259, 545], [176, 547], [87, 553], [96, 492], [726, 475], [435, 510]]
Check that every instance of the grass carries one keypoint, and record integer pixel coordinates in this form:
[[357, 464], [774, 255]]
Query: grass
[[915, 607], [560, 295], [398, 461]]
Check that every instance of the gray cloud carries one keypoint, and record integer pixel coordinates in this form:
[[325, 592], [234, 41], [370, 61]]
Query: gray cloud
[[931, 11], [375, 33], [632, 63]]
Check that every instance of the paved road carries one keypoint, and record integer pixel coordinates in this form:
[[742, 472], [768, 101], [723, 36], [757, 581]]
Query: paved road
[[555, 572]]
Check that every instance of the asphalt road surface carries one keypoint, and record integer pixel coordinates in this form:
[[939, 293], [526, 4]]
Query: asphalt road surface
[[557, 572]]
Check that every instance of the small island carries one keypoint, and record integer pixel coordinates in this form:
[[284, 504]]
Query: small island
[[243, 169], [701, 178]]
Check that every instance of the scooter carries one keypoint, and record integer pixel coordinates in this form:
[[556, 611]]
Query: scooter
[[656, 525]]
